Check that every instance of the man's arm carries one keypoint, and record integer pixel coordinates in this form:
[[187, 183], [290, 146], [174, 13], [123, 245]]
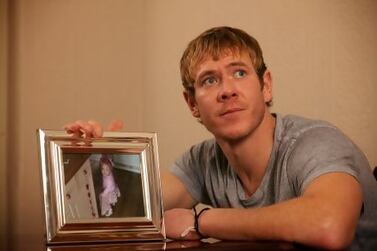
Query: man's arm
[[324, 216], [175, 194]]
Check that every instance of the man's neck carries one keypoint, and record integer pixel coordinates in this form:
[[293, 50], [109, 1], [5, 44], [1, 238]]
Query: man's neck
[[249, 157]]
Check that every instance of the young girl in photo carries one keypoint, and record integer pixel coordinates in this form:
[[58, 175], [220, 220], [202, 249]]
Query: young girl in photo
[[110, 190]]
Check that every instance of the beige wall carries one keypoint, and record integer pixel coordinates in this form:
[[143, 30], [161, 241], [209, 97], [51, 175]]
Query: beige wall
[[69, 60], [321, 54], [119, 59]]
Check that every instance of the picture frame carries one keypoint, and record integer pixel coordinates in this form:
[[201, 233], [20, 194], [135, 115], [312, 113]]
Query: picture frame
[[101, 189]]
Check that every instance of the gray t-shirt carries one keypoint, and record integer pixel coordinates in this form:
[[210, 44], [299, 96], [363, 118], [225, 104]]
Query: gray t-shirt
[[303, 149]]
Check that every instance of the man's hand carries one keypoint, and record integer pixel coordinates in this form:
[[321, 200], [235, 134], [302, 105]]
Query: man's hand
[[179, 224], [91, 128]]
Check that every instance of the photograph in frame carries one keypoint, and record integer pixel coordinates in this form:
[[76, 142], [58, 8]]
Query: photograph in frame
[[101, 189]]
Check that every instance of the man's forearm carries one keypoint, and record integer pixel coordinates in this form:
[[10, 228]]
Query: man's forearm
[[276, 222], [316, 219]]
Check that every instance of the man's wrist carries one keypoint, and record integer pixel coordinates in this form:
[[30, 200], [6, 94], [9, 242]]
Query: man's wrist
[[197, 216]]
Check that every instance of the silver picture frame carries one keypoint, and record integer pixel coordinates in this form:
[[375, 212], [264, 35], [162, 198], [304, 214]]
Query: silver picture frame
[[101, 189]]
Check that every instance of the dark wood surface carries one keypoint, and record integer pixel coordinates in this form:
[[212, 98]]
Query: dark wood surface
[[37, 244], [187, 245]]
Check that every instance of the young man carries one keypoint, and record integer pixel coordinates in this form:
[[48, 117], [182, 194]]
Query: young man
[[267, 177]]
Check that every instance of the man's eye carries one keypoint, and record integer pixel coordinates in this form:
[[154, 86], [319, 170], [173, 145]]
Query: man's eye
[[209, 81], [240, 74]]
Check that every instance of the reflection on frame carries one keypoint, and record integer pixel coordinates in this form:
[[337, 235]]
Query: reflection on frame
[[104, 189]]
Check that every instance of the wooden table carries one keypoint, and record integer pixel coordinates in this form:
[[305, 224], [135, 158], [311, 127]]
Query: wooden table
[[183, 246], [186, 246], [35, 243]]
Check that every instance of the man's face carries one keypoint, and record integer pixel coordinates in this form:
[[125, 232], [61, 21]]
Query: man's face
[[228, 98]]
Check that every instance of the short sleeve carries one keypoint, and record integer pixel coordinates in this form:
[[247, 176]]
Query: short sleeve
[[318, 151], [190, 168]]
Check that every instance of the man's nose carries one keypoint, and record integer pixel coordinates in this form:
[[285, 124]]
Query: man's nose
[[228, 90]]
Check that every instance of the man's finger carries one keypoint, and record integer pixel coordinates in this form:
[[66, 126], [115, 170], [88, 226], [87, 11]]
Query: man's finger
[[96, 128], [86, 130], [71, 127], [73, 130], [115, 125]]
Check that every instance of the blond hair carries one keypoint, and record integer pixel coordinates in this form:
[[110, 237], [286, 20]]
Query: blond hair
[[215, 42]]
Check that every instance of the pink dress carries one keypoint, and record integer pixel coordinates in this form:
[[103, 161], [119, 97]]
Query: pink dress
[[109, 195]]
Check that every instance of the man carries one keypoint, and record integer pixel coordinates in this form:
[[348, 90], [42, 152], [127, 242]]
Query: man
[[268, 177]]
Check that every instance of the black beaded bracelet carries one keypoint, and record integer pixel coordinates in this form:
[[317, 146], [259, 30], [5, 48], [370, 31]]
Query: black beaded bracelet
[[196, 221]]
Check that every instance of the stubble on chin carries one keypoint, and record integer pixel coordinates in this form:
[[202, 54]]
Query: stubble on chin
[[235, 132]]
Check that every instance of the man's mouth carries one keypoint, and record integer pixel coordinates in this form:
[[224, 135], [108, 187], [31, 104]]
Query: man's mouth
[[230, 111]]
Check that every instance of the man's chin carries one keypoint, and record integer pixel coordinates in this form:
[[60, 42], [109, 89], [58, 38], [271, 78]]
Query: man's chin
[[228, 131], [231, 136]]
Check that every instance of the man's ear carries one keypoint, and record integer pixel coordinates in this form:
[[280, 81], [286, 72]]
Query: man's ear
[[191, 103], [267, 86]]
